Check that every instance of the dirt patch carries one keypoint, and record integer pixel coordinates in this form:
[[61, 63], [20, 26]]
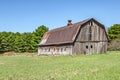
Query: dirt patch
[[9, 53]]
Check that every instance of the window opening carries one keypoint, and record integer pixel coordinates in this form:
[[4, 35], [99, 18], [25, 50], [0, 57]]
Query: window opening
[[61, 49], [86, 47], [54, 49], [64, 49], [48, 49], [58, 49], [91, 46]]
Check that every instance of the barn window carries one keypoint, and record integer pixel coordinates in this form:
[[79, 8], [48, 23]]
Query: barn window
[[61, 49], [91, 46], [86, 47], [64, 49], [54, 49], [48, 49], [57, 49], [90, 23]]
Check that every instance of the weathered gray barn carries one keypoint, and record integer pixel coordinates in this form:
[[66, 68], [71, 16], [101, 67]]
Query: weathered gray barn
[[85, 37]]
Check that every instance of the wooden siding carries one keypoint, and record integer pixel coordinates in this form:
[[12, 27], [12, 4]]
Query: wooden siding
[[97, 33], [89, 47], [55, 50], [94, 43]]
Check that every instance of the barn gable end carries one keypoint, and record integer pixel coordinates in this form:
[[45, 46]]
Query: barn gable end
[[85, 37], [92, 38]]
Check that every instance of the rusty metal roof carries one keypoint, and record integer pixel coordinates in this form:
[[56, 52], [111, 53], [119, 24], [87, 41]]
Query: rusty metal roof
[[62, 35]]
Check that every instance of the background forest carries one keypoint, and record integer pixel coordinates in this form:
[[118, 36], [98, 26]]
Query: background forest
[[21, 42]]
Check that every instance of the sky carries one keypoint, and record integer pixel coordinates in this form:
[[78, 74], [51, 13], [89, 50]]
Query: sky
[[26, 15]]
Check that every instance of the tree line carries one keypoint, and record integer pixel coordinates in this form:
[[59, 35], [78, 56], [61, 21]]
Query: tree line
[[114, 32], [21, 42], [28, 41], [114, 37]]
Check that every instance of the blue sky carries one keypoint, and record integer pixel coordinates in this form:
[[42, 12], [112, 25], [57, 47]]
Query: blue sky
[[27, 15]]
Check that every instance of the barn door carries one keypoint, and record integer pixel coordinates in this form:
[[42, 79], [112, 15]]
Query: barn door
[[89, 48]]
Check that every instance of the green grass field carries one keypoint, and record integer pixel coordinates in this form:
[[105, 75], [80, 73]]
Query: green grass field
[[81, 67]]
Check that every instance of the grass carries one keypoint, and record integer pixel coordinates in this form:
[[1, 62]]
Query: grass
[[81, 67]]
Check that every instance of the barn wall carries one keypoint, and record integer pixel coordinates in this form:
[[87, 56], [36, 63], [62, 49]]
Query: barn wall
[[86, 45], [55, 50], [97, 33], [102, 47], [78, 48], [89, 47]]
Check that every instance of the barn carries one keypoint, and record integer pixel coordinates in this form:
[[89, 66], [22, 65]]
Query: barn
[[84, 37]]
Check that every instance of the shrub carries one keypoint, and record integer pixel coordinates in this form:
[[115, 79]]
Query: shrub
[[114, 45]]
